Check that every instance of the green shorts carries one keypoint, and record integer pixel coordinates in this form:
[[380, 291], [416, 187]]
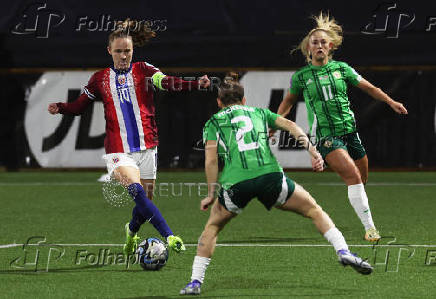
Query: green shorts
[[349, 142], [272, 189]]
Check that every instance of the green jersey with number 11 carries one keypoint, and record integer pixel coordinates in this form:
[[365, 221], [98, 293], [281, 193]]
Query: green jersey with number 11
[[324, 89], [241, 133]]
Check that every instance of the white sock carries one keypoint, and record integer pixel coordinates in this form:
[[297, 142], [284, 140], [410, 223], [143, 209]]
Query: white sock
[[359, 201], [199, 268], [335, 237]]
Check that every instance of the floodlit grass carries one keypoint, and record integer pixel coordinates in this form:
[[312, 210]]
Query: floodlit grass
[[267, 254]]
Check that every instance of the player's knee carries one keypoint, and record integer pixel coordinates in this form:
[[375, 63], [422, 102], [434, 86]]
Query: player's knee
[[313, 212], [364, 178], [352, 177]]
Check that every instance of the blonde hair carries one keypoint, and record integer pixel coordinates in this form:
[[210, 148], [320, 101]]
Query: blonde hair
[[140, 32], [327, 24]]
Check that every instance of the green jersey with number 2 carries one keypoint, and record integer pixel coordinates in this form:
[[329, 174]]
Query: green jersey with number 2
[[241, 133], [324, 89]]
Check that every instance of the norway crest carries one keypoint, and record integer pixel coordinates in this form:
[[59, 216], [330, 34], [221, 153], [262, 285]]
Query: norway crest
[[122, 79]]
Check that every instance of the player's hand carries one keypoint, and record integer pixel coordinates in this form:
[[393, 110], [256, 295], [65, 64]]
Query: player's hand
[[272, 138], [398, 107], [317, 162], [204, 82], [206, 202], [53, 108]]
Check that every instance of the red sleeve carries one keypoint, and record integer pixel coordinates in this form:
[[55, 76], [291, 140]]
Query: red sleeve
[[77, 107], [177, 84]]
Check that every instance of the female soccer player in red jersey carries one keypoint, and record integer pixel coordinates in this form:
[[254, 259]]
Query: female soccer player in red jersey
[[323, 84], [126, 90]]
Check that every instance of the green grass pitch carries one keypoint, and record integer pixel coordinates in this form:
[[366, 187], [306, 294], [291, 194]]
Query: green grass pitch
[[266, 254]]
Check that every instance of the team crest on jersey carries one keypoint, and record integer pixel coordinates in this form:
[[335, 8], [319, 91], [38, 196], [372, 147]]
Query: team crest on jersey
[[337, 75], [122, 79], [328, 143], [116, 160]]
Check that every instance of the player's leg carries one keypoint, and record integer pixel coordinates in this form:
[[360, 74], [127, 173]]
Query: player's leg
[[218, 218], [302, 203], [144, 210], [357, 152], [341, 162], [362, 165], [146, 161], [148, 185]]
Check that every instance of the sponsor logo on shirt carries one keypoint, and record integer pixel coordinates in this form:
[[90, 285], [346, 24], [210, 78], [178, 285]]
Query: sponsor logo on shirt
[[309, 81], [116, 160], [323, 77]]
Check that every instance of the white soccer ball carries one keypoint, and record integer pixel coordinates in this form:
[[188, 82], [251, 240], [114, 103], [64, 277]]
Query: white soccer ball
[[152, 254]]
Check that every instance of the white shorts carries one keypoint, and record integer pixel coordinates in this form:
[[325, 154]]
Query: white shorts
[[145, 161]]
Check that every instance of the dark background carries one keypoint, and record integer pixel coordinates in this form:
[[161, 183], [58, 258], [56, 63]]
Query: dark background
[[197, 37]]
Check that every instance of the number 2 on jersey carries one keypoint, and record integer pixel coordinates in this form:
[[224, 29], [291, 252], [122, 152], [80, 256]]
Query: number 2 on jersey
[[248, 126]]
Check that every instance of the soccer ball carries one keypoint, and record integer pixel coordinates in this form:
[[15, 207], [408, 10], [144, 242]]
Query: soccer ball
[[152, 254]]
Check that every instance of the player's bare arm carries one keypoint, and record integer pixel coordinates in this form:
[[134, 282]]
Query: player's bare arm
[[380, 95], [284, 108], [211, 169], [287, 103], [298, 133]]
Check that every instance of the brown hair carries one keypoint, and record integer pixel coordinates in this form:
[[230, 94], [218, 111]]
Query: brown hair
[[230, 92], [140, 32], [327, 24], [232, 76]]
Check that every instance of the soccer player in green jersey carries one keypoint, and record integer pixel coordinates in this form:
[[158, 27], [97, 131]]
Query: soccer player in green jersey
[[239, 135], [323, 84]]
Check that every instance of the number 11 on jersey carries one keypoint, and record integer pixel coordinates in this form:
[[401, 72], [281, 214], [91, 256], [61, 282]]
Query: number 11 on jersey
[[329, 95]]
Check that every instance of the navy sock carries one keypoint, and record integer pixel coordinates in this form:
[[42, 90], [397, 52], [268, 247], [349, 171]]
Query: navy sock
[[145, 210], [137, 220]]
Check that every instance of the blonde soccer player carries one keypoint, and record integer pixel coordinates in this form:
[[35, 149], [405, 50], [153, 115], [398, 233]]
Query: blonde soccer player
[[323, 82]]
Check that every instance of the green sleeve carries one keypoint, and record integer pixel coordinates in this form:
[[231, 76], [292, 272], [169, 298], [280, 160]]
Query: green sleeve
[[209, 132], [271, 118], [296, 87], [351, 76]]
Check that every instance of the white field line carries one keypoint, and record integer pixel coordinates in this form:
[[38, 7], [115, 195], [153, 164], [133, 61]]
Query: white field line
[[302, 183], [224, 245]]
